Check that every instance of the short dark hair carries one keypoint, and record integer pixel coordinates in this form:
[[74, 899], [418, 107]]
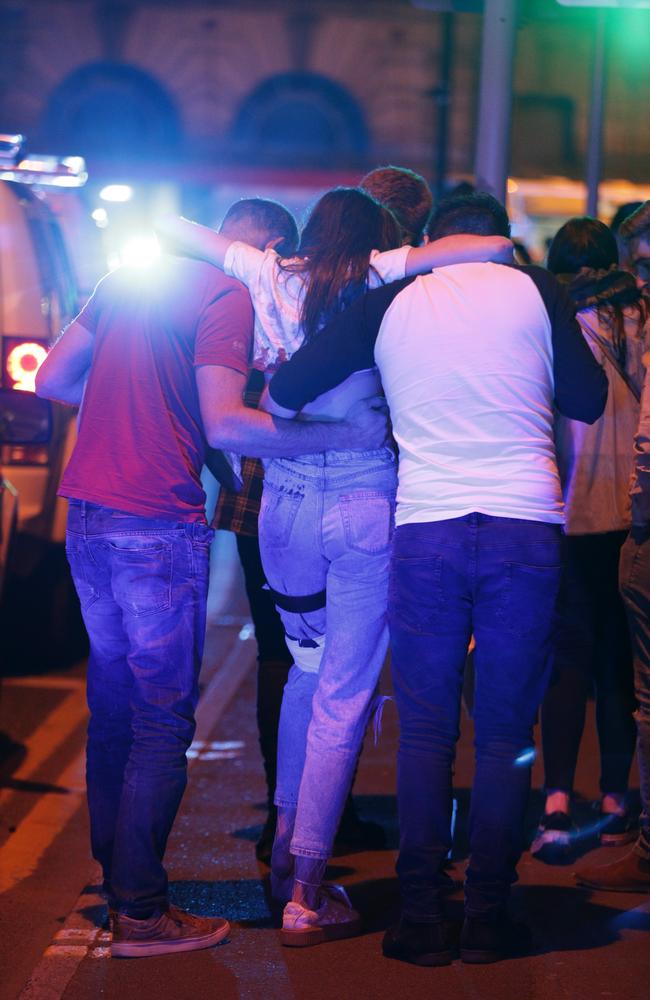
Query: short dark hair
[[582, 242], [269, 217], [406, 194], [478, 213]]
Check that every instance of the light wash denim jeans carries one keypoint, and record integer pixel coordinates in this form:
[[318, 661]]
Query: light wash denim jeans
[[142, 583], [326, 523]]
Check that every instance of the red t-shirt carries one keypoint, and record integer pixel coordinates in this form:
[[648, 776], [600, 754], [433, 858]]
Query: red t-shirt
[[140, 445]]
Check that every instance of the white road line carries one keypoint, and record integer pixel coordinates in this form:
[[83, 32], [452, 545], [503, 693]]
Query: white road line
[[22, 852], [223, 686], [56, 728], [64, 683], [79, 937]]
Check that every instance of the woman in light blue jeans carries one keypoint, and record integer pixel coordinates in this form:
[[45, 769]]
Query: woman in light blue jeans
[[325, 525]]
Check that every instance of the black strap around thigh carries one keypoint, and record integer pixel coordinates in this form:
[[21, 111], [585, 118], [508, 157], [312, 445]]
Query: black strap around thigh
[[299, 605]]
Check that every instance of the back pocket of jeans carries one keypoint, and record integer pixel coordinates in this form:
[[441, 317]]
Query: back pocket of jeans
[[528, 599], [367, 520], [278, 512], [142, 574]]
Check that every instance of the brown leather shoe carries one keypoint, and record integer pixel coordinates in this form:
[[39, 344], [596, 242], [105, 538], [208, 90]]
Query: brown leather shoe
[[173, 930], [631, 873]]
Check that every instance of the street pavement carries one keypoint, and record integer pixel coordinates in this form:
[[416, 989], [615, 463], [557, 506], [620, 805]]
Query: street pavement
[[54, 945]]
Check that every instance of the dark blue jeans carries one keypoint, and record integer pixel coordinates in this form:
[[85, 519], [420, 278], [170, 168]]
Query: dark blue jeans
[[142, 584], [498, 579]]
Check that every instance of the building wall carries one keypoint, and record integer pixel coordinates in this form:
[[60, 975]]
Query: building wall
[[387, 57]]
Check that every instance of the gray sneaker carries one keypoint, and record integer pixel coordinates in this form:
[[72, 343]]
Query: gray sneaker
[[171, 931], [334, 919]]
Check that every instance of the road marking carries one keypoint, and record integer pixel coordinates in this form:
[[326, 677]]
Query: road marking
[[22, 852], [43, 682], [223, 686], [59, 724]]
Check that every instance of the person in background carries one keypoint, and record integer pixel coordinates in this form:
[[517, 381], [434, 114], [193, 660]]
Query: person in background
[[592, 644], [408, 197], [476, 548], [620, 215], [635, 232], [160, 358], [631, 872]]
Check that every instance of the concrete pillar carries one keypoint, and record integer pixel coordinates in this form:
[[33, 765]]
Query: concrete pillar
[[495, 96]]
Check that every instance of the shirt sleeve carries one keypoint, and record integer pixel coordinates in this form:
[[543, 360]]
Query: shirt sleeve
[[245, 262], [89, 315], [580, 381], [344, 346], [224, 334], [387, 266]]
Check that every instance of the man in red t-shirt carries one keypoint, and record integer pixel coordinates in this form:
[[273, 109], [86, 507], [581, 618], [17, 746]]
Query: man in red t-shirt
[[160, 359]]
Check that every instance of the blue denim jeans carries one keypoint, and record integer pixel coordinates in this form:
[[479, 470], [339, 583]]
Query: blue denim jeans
[[634, 580], [142, 584], [325, 524], [498, 579]]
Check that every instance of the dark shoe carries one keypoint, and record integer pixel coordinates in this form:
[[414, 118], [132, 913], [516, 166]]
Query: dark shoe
[[171, 931], [631, 873], [485, 941], [617, 829], [264, 845], [419, 944], [554, 839]]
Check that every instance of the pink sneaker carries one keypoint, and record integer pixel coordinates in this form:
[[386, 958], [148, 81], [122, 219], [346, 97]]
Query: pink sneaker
[[334, 919]]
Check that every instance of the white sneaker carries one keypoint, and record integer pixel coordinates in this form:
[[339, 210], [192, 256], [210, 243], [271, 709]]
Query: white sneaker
[[334, 919]]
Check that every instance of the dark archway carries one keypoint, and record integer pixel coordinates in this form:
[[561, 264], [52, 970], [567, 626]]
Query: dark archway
[[300, 119], [111, 111]]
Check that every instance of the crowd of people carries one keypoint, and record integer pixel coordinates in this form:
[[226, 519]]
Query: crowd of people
[[454, 450]]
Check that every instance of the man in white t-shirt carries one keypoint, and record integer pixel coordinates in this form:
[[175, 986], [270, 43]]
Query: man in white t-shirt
[[473, 358]]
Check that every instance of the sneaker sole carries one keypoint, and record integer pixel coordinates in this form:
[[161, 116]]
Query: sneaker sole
[[319, 935], [618, 839], [146, 949]]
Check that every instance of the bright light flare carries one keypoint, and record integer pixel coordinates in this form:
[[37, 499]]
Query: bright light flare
[[140, 251], [100, 217], [116, 192], [23, 362], [526, 758]]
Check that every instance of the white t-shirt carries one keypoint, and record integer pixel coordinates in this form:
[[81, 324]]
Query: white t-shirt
[[466, 361], [277, 295]]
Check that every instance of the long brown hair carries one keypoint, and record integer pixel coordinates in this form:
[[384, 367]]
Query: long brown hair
[[343, 228], [584, 254]]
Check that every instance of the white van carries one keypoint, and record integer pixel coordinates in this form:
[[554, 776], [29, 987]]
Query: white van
[[38, 296]]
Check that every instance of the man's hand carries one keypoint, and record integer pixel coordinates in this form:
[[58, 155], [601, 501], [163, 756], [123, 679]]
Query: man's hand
[[366, 426]]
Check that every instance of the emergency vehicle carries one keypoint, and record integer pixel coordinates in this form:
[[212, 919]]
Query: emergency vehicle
[[38, 296]]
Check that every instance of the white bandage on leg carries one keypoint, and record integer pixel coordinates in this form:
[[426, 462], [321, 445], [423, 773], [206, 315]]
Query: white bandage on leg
[[307, 657]]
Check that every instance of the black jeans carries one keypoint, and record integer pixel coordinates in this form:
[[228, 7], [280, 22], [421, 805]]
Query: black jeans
[[273, 658], [635, 588], [592, 652], [498, 579]]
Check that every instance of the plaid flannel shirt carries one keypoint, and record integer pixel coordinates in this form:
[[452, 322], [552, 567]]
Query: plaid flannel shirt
[[238, 512]]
